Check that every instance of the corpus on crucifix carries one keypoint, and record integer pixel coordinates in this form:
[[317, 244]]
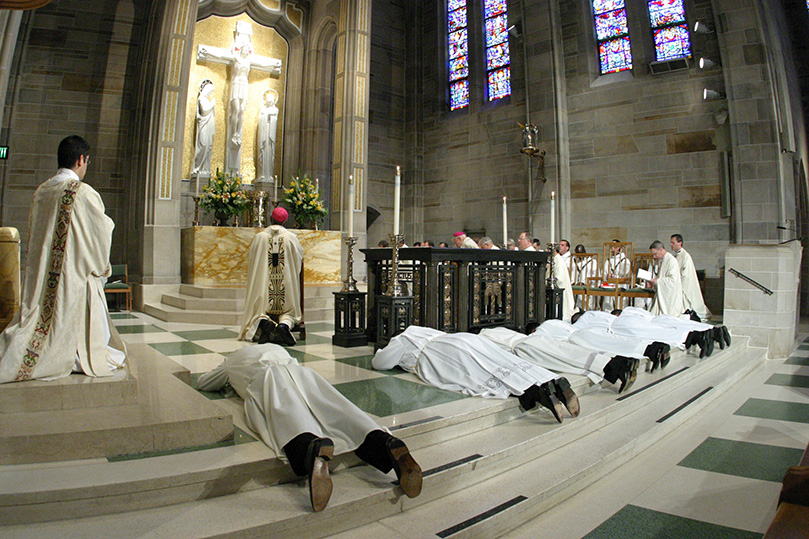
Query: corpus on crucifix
[[241, 60]]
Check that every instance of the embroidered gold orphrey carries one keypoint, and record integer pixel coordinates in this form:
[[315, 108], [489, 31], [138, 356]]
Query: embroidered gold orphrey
[[276, 292], [58, 243]]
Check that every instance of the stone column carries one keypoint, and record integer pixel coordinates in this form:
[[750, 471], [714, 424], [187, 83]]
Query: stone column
[[9, 28], [9, 275], [351, 92]]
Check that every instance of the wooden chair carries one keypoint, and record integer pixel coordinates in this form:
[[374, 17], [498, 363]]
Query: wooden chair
[[636, 289], [613, 274], [582, 266], [118, 283]]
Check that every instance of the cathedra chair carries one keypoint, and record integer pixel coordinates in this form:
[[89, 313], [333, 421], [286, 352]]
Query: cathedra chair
[[582, 266], [638, 288], [118, 283], [613, 273]]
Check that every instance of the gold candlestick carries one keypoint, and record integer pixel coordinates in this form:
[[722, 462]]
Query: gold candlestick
[[350, 284], [394, 286], [196, 210]]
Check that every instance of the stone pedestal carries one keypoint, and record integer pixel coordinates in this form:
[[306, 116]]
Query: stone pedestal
[[553, 303], [349, 319], [9, 275], [769, 320], [393, 314]]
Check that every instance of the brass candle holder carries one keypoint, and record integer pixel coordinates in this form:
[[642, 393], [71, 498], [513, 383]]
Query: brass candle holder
[[350, 284], [394, 286], [196, 210]]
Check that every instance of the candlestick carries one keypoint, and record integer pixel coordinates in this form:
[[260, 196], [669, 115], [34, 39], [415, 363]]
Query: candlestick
[[196, 209], [553, 216], [351, 206], [317, 185], [396, 195], [350, 284], [275, 190], [394, 286], [196, 186], [505, 224]]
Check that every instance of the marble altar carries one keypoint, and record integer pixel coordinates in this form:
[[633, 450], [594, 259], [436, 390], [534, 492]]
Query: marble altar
[[217, 255], [9, 275]]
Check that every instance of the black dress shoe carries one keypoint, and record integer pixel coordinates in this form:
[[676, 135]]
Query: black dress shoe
[[566, 396], [318, 455], [549, 401], [726, 334], [653, 353], [691, 339], [694, 316], [529, 398], [665, 356], [408, 472], [718, 337], [281, 335], [621, 368], [709, 342]]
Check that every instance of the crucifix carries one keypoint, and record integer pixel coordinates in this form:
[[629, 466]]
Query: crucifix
[[241, 60]]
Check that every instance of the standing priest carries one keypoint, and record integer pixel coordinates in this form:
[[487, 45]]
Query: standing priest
[[669, 288], [273, 304], [63, 324], [692, 295]]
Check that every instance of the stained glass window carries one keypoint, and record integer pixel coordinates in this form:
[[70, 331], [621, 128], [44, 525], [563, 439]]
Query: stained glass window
[[612, 34], [670, 30], [458, 49], [498, 73]]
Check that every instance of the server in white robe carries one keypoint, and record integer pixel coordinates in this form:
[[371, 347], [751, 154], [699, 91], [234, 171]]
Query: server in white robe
[[273, 304], [668, 284], [562, 276], [302, 418], [692, 294], [564, 357], [63, 324], [473, 365], [582, 268]]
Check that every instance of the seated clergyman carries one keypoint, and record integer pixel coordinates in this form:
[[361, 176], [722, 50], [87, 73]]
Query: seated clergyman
[[273, 304], [301, 417], [475, 366]]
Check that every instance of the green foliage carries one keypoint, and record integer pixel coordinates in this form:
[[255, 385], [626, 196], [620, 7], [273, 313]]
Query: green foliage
[[303, 201], [224, 194]]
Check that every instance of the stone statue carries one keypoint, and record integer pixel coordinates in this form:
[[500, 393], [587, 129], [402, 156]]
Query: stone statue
[[265, 137], [206, 127], [241, 60]]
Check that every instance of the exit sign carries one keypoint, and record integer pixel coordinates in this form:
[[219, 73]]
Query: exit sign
[[3, 152]]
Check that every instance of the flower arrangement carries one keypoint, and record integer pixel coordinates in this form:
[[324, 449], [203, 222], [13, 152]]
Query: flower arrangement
[[224, 196], [303, 200]]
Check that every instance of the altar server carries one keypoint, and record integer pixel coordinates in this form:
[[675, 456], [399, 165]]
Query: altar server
[[63, 324], [692, 294], [562, 275], [302, 418], [273, 304], [668, 284], [475, 366]]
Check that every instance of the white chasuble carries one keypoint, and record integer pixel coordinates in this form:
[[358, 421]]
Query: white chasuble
[[692, 294], [273, 280], [669, 293], [63, 318], [283, 399], [462, 362]]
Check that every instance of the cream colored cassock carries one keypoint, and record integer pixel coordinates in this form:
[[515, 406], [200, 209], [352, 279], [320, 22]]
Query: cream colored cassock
[[669, 293], [462, 362], [63, 323], [469, 243], [562, 275], [550, 353], [283, 399], [273, 280], [692, 295]]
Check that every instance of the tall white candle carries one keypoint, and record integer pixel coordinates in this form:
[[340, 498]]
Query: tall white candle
[[505, 224], [275, 189], [197, 185], [397, 188], [317, 184], [351, 206], [553, 215]]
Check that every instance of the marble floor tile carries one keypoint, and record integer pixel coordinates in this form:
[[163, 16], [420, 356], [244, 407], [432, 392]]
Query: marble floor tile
[[764, 431], [743, 459], [364, 362], [336, 373], [139, 328], [199, 363], [772, 409], [223, 346], [388, 395], [179, 348], [791, 380], [150, 337], [207, 334], [797, 360], [123, 316]]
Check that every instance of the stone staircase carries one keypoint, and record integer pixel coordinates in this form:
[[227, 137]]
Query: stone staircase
[[195, 304], [492, 460]]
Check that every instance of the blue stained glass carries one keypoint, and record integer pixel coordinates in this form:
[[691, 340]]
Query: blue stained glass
[[458, 68], [458, 44], [452, 5], [496, 7], [498, 56], [663, 12], [496, 30], [612, 24], [602, 6], [499, 83], [459, 94], [672, 42], [456, 20], [615, 55]]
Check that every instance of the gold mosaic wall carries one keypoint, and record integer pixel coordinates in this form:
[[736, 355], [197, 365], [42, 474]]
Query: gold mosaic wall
[[218, 32]]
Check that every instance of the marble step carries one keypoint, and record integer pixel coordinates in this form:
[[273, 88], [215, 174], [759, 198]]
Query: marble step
[[360, 497], [167, 415], [213, 292], [193, 303], [167, 313]]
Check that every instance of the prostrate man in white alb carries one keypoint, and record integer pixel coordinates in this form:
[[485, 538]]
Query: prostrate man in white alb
[[475, 366], [668, 285], [300, 416], [562, 275], [564, 357], [63, 325], [461, 240], [273, 304], [692, 294]]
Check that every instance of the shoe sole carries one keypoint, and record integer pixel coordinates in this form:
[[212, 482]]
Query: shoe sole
[[407, 471], [320, 485]]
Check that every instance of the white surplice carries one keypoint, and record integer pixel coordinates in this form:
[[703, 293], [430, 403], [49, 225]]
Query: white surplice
[[63, 320], [671, 330], [669, 290], [273, 280], [283, 399], [562, 275], [692, 294], [462, 362], [596, 335], [550, 353]]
